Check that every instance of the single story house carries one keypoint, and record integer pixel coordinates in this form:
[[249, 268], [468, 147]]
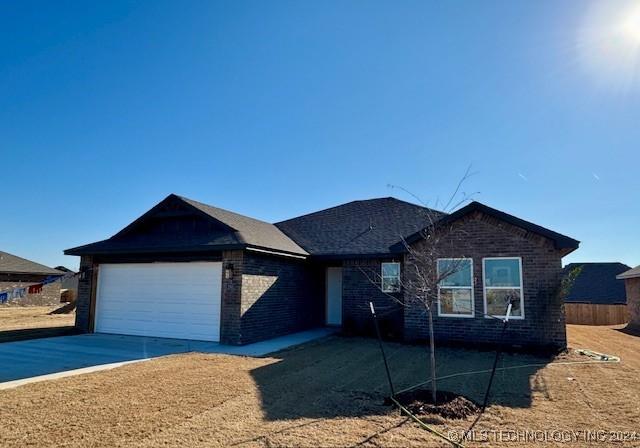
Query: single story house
[[69, 285], [595, 296], [17, 272], [189, 270], [632, 283]]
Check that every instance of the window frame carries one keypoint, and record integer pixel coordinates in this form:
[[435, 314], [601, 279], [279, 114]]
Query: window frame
[[472, 287], [382, 277], [485, 287]]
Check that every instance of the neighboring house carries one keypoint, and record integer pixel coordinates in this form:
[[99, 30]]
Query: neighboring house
[[632, 283], [68, 285], [188, 270], [595, 296], [16, 272]]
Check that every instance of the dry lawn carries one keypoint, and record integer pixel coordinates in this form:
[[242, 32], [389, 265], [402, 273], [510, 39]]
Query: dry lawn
[[326, 393], [25, 317]]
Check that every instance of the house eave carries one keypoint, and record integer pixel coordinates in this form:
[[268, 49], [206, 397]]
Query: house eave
[[628, 274], [561, 242], [82, 250], [352, 256], [268, 251]]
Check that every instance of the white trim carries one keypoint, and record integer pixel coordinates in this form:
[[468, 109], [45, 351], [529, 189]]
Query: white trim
[[382, 276], [274, 252], [473, 299], [631, 273], [484, 288]]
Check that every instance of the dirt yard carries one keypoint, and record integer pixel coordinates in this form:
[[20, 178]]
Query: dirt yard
[[327, 393], [26, 317]]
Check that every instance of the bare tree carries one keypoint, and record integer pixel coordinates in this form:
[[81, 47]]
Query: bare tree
[[431, 259]]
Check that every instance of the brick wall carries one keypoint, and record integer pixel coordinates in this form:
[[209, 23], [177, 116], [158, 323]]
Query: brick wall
[[85, 286], [360, 285], [50, 294], [280, 295], [633, 301], [231, 297], [477, 236]]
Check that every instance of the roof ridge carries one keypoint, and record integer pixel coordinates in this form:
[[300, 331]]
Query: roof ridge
[[317, 211], [40, 265], [224, 215], [239, 231], [193, 201], [355, 201]]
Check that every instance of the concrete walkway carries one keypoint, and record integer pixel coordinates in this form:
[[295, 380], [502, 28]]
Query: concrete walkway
[[42, 359]]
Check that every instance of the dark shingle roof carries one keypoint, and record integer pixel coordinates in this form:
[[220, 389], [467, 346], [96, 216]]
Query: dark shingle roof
[[251, 231], [373, 227], [631, 273], [560, 241], [233, 231], [596, 283], [17, 265], [369, 227], [345, 229]]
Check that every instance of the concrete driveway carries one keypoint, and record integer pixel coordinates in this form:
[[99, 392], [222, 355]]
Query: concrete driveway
[[39, 359]]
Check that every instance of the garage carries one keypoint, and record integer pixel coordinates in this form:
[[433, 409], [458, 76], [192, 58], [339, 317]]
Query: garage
[[169, 300]]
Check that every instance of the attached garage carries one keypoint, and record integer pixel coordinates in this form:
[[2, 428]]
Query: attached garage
[[169, 300], [186, 270]]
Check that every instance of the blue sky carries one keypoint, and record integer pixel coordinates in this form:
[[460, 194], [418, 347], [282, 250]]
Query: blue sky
[[274, 109]]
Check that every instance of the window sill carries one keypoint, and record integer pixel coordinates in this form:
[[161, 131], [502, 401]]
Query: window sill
[[504, 317], [458, 316]]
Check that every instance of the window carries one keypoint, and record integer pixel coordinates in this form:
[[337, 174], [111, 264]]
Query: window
[[390, 277], [455, 289], [503, 285]]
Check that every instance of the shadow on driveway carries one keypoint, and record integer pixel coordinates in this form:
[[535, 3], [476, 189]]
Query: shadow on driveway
[[35, 333]]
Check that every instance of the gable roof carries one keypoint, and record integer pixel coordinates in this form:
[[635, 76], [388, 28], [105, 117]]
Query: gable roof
[[234, 231], [631, 273], [596, 283], [367, 227], [560, 241], [250, 231], [373, 227], [12, 264]]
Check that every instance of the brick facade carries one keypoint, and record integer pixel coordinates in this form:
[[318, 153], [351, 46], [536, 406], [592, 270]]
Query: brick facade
[[268, 296], [360, 285], [475, 236], [632, 286], [50, 294], [231, 298], [85, 287], [478, 236], [279, 296]]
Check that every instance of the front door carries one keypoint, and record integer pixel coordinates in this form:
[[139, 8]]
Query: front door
[[334, 296]]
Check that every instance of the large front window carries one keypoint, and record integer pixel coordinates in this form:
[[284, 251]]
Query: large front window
[[503, 285], [455, 287], [391, 277]]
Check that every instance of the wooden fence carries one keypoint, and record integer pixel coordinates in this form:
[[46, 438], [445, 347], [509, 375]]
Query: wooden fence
[[591, 314]]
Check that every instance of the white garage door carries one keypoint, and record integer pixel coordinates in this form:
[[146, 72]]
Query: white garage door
[[169, 300]]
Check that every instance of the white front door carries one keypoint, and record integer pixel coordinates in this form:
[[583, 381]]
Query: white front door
[[169, 300], [334, 296]]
